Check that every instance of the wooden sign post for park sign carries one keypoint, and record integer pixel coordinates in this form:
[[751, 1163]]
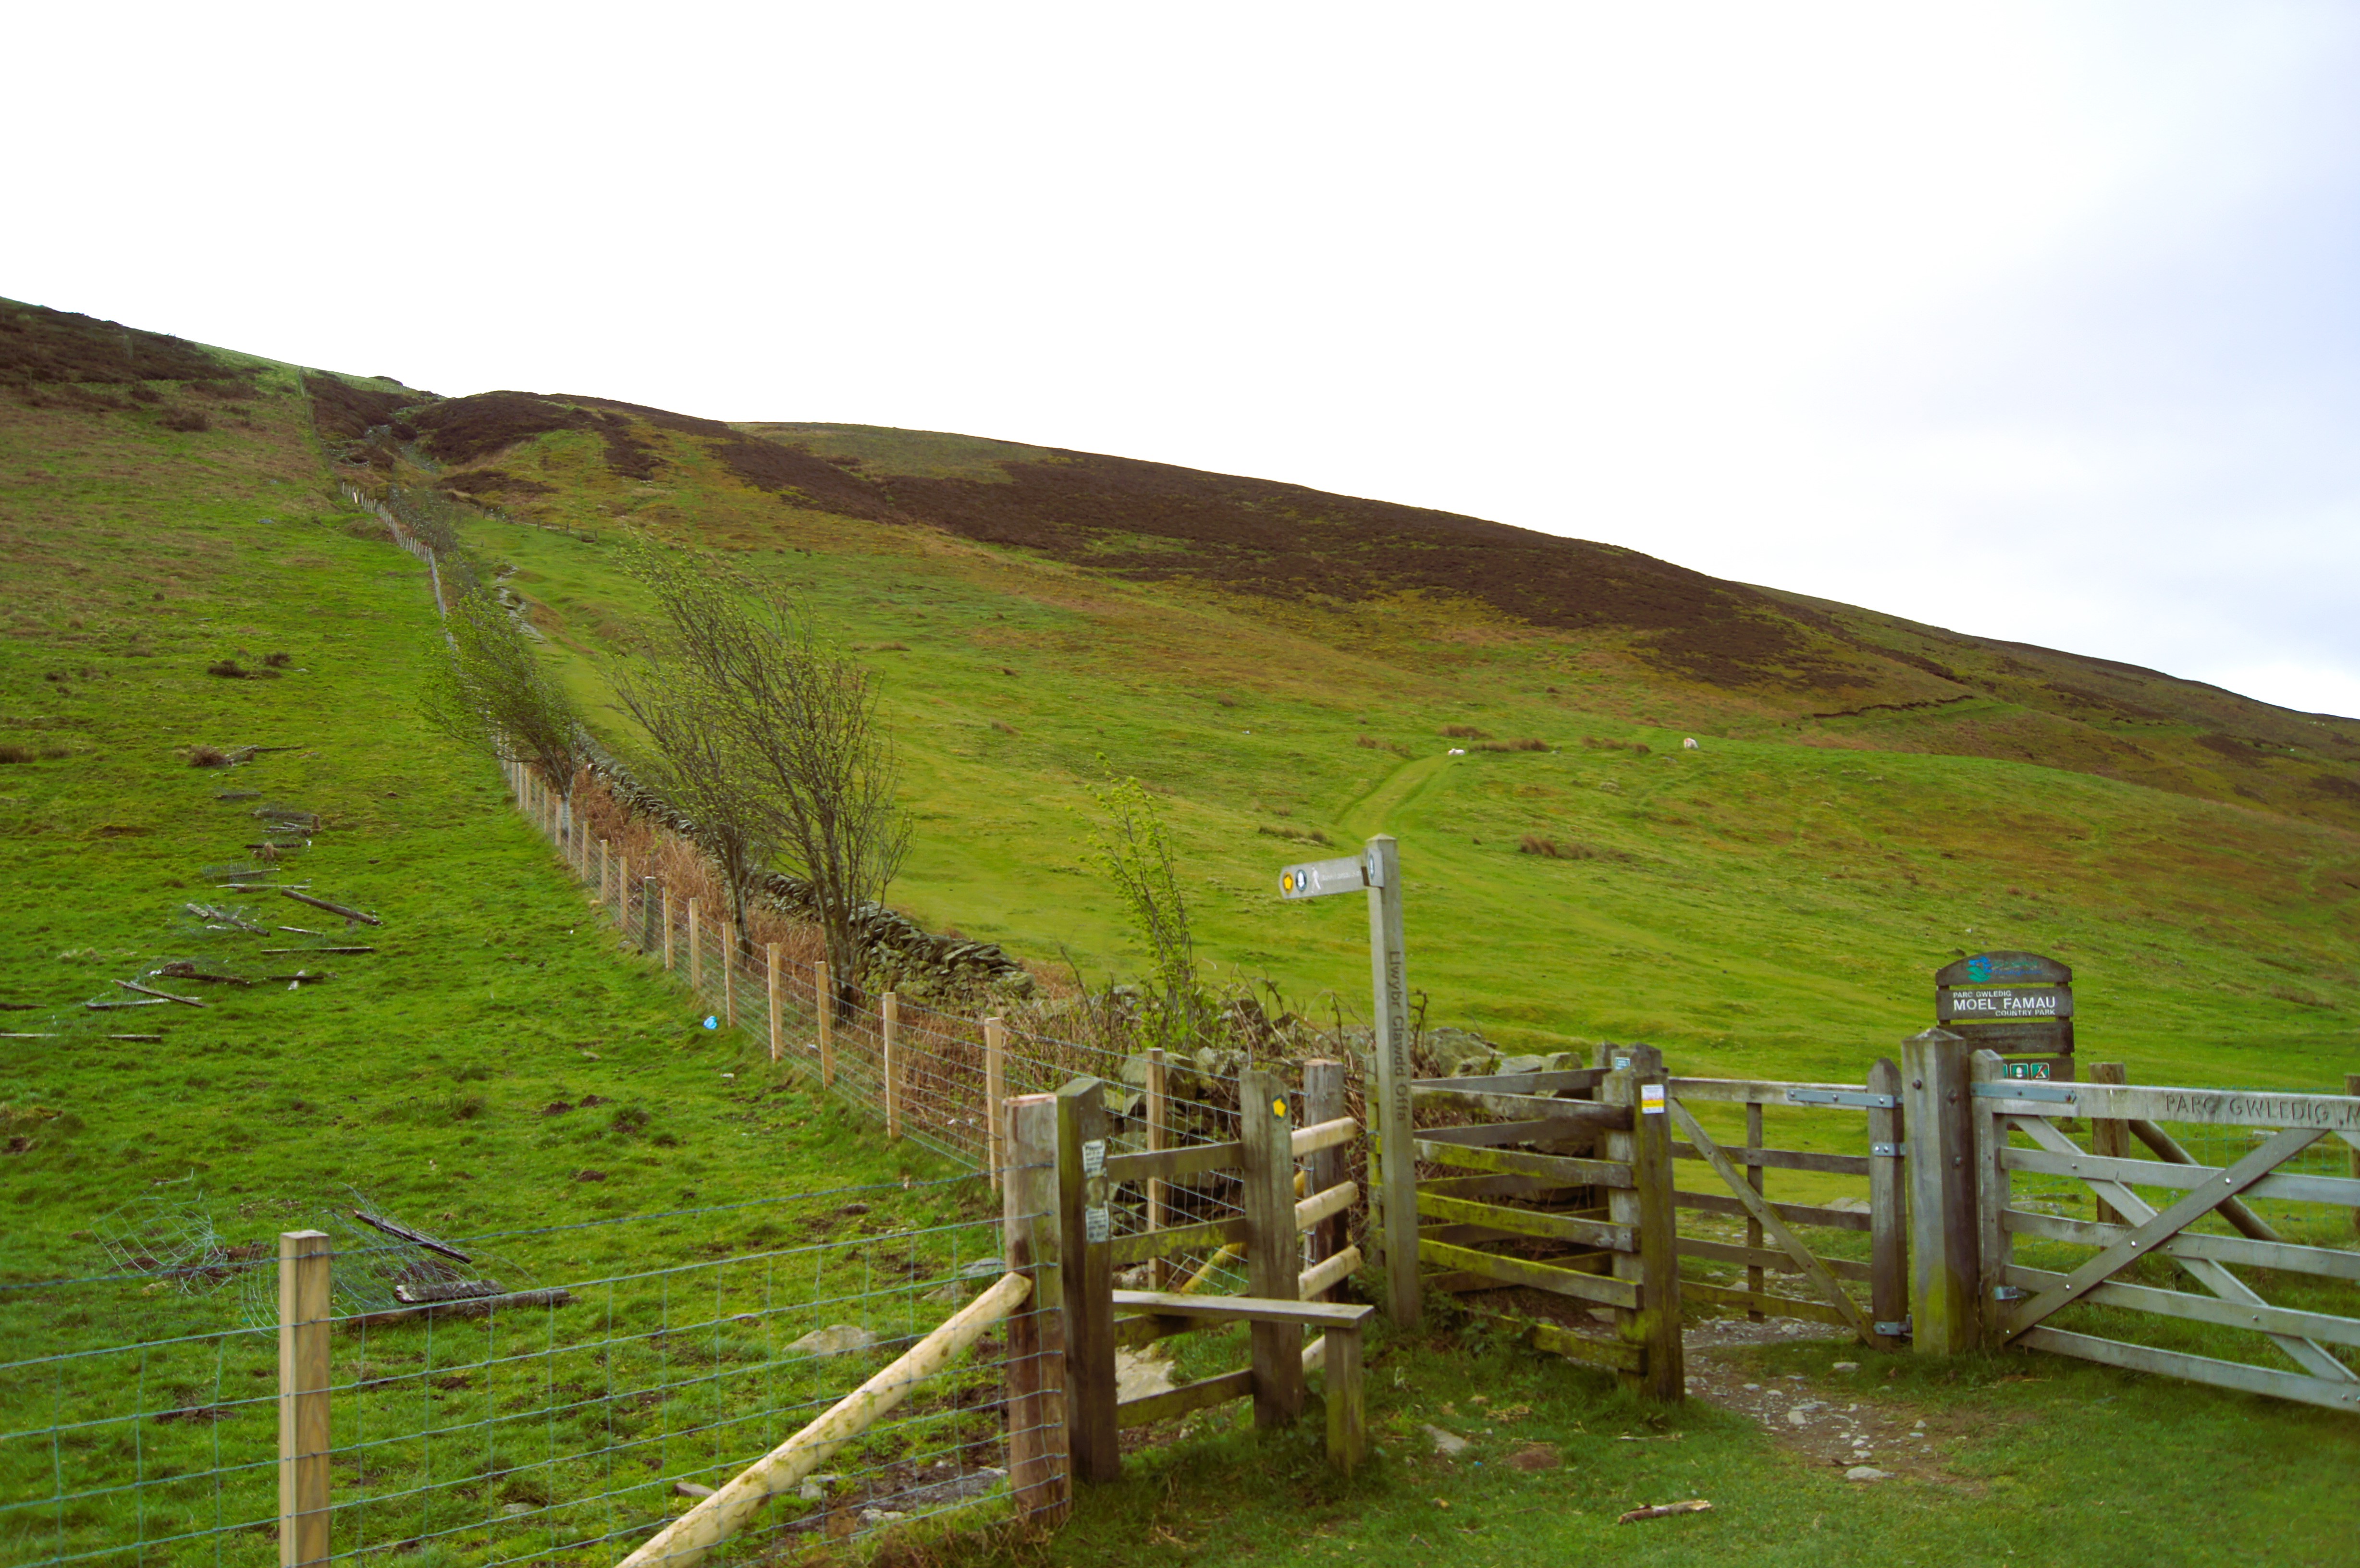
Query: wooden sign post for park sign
[[2019, 1005], [1378, 871]]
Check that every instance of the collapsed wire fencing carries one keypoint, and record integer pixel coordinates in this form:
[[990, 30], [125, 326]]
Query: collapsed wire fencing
[[577, 1418]]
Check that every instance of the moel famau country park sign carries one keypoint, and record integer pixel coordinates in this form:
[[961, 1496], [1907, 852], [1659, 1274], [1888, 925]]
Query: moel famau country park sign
[[2017, 1004]]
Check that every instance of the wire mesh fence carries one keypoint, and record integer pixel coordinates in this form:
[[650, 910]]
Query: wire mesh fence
[[576, 1419], [927, 1073]]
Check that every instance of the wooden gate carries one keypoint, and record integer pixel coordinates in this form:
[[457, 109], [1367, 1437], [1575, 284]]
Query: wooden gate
[[2033, 1306], [1881, 1321], [1573, 1180]]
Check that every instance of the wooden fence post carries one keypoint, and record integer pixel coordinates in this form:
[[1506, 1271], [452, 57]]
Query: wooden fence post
[[889, 1009], [623, 893], [1757, 1178], [995, 1090], [2352, 1087], [667, 929], [304, 1377], [695, 951], [1085, 1226], [1159, 1121], [1272, 1259], [1888, 1210], [1323, 1101], [824, 999], [605, 874], [651, 890], [1395, 1181], [728, 971], [1944, 1262], [1038, 1471], [770, 982], [1646, 1205], [2109, 1135]]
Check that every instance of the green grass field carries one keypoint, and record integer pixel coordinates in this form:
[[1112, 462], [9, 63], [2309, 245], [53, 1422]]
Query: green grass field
[[1757, 906]]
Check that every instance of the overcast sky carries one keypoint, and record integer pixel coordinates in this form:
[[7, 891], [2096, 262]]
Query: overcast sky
[[2040, 323]]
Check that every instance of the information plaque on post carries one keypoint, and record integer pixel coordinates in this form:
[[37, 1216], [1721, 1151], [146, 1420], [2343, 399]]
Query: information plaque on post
[[2019, 1005]]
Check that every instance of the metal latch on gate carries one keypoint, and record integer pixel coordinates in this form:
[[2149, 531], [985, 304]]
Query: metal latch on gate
[[1843, 1097], [1890, 1150], [2024, 1089], [2009, 1292], [1901, 1330]]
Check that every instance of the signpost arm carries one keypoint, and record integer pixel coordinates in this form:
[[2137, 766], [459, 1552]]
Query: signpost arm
[[1397, 1158]]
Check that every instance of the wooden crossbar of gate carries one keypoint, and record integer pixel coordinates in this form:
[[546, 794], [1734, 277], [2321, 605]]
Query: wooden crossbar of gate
[[2024, 1301]]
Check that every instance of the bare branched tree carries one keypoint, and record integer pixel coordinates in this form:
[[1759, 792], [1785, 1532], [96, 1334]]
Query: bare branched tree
[[797, 724], [486, 688], [674, 693]]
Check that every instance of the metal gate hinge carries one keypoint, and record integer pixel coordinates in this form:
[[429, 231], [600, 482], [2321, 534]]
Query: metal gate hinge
[[1843, 1097], [2009, 1292], [1890, 1150], [1897, 1330]]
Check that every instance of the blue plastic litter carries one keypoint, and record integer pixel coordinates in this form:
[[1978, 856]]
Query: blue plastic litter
[[712, 1022]]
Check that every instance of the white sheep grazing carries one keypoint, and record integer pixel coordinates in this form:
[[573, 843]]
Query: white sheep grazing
[[1457, 751], [1690, 745]]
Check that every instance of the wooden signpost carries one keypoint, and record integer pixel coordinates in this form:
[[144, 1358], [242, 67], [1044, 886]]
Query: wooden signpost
[[1377, 872], [2018, 1004]]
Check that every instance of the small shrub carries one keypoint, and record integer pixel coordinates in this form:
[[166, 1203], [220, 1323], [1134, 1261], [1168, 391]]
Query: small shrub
[[228, 669], [1465, 732], [1226, 702], [463, 1108], [11, 752], [1005, 671], [362, 527], [279, 660], [1003, 727], [186, 420], [1638, 748], [207, 756], [1370, 743], [1527, 744]]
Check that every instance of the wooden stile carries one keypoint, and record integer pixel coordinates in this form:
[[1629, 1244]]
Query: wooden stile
[[1037, 1462], [304, 1305], [1323, 1103], [889, 1067], [778, 1040], [824, 1003], [1088, 1271], [995, 1090], [1273, 1271]]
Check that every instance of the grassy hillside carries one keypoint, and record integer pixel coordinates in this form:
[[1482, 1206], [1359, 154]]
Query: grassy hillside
[[1774, 901], [1868, 803]]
